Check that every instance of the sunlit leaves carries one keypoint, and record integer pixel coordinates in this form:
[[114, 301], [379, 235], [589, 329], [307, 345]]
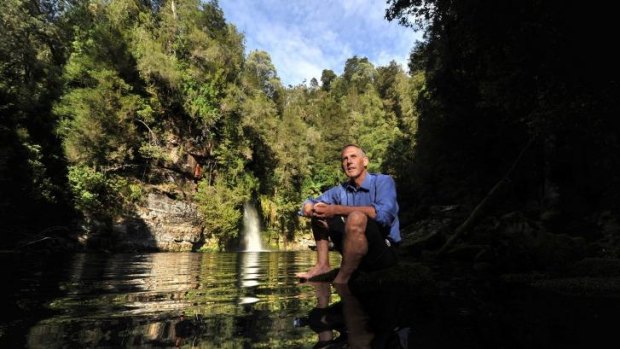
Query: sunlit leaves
[[161, 93], [261, 73], [201, 101], [98, 122], [98, 195]]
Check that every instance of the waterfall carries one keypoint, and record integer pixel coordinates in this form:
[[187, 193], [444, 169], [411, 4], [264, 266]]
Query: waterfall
[[251, 229]]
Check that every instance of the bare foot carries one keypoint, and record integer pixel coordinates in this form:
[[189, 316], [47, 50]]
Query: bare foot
[[314, 271]]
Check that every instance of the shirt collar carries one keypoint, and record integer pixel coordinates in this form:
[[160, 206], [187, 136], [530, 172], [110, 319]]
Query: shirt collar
[[365, 184]]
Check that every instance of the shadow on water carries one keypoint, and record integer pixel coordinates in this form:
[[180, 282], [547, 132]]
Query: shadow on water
[[28, 283], [460, 314]]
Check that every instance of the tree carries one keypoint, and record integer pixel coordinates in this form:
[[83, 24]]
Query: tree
[[501, 74], [359, 74], [261, 73], [327, 77], [33, 187]]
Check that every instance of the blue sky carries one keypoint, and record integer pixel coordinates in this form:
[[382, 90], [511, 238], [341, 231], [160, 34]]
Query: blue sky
[[303, 37]]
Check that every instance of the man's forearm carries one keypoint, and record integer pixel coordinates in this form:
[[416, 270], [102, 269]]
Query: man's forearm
[[341, 210]]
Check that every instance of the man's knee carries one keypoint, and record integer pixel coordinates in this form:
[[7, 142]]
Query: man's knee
[[356, 222]]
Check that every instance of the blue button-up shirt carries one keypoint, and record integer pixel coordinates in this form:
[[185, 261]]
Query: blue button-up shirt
[[377, 190]]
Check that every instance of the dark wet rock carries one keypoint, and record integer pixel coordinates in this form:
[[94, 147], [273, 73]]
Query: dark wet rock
[[581, 286], [514, 242], [433, 240], [465, 252], [429, 233], [416, 278], [596, 267]]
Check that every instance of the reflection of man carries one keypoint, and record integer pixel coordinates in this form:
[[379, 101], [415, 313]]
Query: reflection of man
[[182, 329], [355, 318], [323, 294], [324, 319], [360, 216], [363, 321]]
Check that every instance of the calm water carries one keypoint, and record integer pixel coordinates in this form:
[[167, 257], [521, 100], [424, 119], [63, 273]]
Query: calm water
[[252, 299], [234, 300]]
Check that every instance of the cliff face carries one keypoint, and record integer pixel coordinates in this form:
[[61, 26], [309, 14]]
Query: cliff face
[[161, 224], [167, 220]]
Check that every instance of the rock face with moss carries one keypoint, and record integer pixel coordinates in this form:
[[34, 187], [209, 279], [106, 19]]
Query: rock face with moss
[[162, 224], [175, 225]]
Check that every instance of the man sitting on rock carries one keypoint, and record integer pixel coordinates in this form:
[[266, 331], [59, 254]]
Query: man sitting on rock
[[360, 216]]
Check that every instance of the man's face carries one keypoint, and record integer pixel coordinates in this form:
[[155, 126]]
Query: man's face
[[353, 162]]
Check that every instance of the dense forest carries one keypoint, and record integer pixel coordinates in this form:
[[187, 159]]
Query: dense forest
[[503, 128], [105, 102]]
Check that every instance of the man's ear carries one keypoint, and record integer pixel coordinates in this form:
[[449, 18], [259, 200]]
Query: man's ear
[[365, 162]]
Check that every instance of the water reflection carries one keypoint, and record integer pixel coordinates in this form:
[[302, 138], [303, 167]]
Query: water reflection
[[251, 299], [250, 273], [356, 321], [230, 300]]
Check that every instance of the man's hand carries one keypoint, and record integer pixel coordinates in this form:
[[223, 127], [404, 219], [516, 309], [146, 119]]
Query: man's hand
[[323, 210], [308, 209]]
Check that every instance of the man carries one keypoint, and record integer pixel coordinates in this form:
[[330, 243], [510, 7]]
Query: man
[[360, 216]]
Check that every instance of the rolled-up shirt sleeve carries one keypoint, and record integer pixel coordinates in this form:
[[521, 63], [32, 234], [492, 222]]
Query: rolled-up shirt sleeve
[[386, 206], [329, 197]]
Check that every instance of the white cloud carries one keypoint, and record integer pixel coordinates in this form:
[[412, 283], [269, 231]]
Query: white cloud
[[305, 37]]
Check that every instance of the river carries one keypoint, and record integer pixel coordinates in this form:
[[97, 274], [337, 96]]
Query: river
[[253, 300], [234, 300]]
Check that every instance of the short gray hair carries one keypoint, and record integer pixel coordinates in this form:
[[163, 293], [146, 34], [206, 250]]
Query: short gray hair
[[352, 145]]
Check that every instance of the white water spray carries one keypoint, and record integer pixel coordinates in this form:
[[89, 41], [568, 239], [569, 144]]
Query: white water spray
[[251, 229]]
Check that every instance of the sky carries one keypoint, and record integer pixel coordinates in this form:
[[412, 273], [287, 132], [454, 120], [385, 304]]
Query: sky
[[303, 37]]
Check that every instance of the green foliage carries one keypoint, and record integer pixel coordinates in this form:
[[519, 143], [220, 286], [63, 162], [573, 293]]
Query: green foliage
[[201, 101], [261, 74], [99, 195], [42, 185], [156, 94], [400, 155], [138, 93], [98, 123], [359, 74], [327, 76], [221, 203], [500, 74], [33, 188]]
